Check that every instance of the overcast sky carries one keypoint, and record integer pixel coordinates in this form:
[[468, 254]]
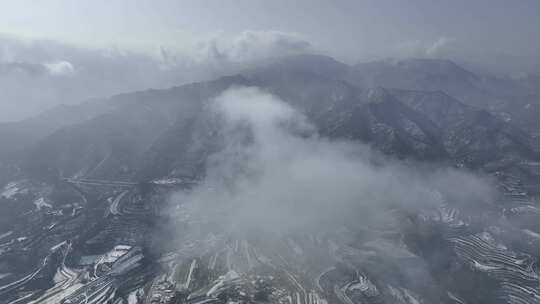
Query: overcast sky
[[177, 34], [347, 27]]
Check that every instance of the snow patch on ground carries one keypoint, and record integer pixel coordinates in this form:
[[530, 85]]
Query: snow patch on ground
[[10, 190], [132, 298], [4, 235], [531, 233], [229, 278], [113, 255], [55, 247], [483, 267], [41, 203], [365, 286], [168, 181]]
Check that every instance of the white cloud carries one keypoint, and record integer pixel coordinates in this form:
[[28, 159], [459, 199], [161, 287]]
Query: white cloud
[[252, 45], [439, 45], [260, 44], [60, 68], [420, 48], [275, 175], [45, 66]]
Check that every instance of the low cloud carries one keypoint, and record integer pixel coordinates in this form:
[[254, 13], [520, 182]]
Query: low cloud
[[252, 45], [419, 48], [276, 175], [60, 68], [39, 74], [439, 45], [36, 75]]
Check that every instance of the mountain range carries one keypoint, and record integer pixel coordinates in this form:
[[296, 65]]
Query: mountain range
[[413, 108], [84, 188]]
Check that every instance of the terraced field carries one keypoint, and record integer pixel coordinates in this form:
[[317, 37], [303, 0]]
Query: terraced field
[[110, 244]]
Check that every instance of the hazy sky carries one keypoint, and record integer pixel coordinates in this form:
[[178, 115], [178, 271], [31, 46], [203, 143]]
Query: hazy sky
[[352, 28], [64, 51]]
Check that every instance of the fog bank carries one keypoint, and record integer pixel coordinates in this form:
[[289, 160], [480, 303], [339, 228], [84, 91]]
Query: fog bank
[[276, 175]]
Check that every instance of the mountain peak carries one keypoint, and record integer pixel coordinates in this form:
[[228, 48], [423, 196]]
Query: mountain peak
[[318, 64]]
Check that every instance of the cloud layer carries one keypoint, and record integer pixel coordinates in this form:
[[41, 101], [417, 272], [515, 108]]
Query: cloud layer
[[275, 175], [36, 75], [440, 47]]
